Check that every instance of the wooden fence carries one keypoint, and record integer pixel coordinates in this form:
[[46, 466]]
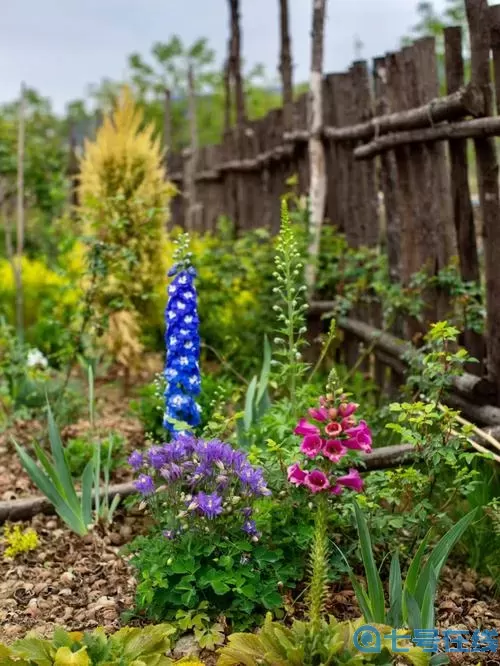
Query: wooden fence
[[386, 130]]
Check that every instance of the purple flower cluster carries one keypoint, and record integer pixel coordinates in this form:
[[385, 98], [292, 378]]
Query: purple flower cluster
[[195, 479], [182, 370]]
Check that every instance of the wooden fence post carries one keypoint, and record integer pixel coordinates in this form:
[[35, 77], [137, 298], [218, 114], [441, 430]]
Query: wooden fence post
[[487, 166], [463, 214]]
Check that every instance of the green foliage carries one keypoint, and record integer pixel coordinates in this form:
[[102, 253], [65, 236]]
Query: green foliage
[[18, 541], [145, 646], [80, 451], [239, 578], [304, 645], [206, 633], [53, 478], [234, 294], [257, 400], [412, 601]]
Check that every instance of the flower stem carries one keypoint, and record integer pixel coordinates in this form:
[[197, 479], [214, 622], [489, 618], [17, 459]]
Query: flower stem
[[319, 564]]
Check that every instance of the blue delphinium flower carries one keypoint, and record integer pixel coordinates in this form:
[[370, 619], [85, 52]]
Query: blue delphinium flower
[[182, 370]]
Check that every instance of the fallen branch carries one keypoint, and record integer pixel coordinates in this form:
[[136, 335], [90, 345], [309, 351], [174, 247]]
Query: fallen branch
[[26, 508], [479, 128]]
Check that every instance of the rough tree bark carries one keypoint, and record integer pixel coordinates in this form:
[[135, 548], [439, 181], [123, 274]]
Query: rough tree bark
[[285, 67], [317, 164], [235, 62], [487, 165], [17, 260]]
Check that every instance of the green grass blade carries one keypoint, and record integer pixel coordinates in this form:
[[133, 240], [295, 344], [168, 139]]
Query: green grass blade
[[96, 474], [249, 404], [61, 465], [359, 591], [48, 466], [41, 480], [86, 500], [374, 583], [427, 606], [265, 372], [90, 374], [441, 553], [414, 619], [411, 580], [395, 592]]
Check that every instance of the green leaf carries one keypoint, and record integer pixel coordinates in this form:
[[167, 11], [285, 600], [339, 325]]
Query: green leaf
[[249, 404], [86, 500], [265, 371], [414, 619], [219, 587], [427, 606], [441, 552], [61, 464], [395, 592], [375, 588]]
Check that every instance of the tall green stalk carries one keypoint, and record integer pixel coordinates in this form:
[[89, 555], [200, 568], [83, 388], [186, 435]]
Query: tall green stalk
[[319, 564], [290, 307]]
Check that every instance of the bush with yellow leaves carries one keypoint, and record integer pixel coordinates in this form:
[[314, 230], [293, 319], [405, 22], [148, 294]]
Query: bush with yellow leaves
[[18, 542], [124, 199]]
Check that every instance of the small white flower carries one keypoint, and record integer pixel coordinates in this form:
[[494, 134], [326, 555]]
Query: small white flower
[[171, 315], [193, 380], [172, 289], [188, 319], [36, 359], [188, 295], [188, 345], [181, 306], [182, 279], [184, 360], [172, 340]]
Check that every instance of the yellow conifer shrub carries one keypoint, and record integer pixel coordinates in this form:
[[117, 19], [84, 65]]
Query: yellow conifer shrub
[[124, 198]]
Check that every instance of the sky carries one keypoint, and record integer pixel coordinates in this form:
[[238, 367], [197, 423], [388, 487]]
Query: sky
[[60, 46]]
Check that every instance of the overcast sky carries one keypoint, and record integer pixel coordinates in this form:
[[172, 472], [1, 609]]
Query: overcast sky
[[60, 46]]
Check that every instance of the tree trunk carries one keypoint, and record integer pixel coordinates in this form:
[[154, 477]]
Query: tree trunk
[[235, 62], [285, 67], [167, 125], [17, 265], [317, 189], [190, 185]]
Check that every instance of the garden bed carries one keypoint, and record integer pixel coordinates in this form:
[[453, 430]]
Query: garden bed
[[84, 583]]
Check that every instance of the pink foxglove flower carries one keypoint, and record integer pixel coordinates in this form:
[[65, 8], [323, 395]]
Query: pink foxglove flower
[[351, 480], [333, 450], [333, 429], [296, 475], [311, 445], [336, 489], [305, 428], [347, 408], [316, 481], [360, 438], [320, 414]]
